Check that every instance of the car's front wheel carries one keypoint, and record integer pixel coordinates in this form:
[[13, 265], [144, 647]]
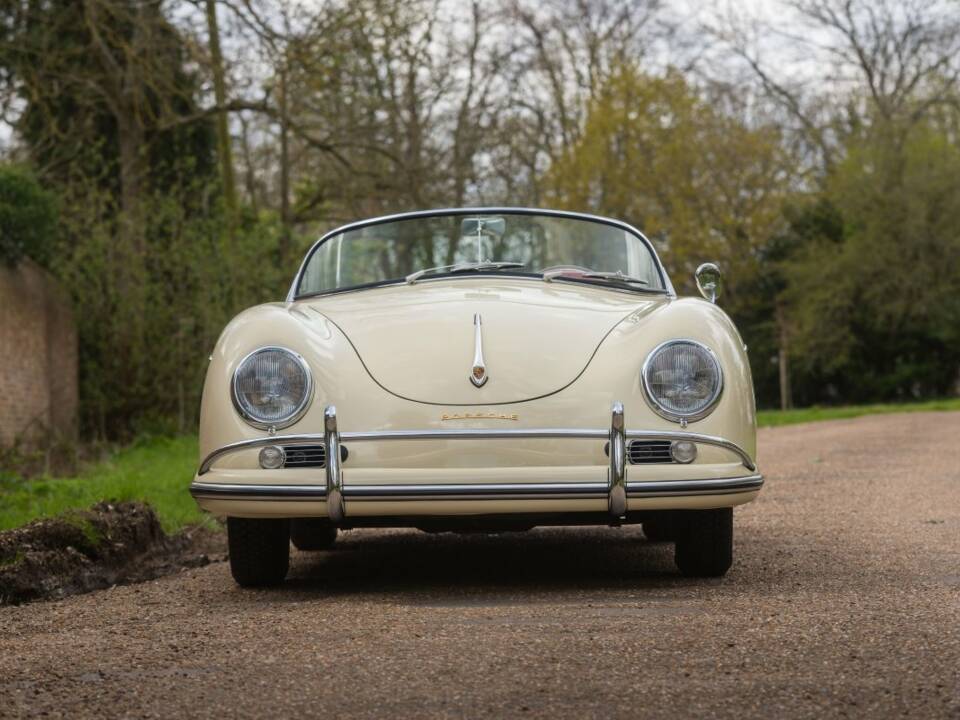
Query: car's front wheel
[[660, 527], [705, 542], [312, 534], [259, 550]]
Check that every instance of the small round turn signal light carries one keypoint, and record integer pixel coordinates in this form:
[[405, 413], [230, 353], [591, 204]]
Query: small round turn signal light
[[272, 457], [683, 451]]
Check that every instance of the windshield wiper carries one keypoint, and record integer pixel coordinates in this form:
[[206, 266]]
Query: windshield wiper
[[616, 276], [461, 267]]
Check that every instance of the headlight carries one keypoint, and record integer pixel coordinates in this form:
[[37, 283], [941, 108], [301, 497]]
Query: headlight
[[682, 380], [272, 387]]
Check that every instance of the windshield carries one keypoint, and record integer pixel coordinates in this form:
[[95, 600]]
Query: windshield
[[419, 248]]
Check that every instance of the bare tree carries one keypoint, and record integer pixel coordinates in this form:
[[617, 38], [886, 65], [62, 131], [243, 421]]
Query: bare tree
[[894, 59], [565, 50]]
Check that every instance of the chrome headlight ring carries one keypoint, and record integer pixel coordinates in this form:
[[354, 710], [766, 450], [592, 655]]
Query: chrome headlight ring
[[676, 415], [300, 408]]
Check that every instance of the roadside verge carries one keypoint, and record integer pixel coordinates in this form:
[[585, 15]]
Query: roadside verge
[[108, 544]]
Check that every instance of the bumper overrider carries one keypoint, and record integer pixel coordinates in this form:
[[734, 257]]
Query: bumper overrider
[[617, 489]]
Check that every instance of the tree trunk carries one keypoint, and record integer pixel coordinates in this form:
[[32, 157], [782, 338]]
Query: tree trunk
[[285, 219], [249, 177], [130, 138], [783, 359], [223, 129]]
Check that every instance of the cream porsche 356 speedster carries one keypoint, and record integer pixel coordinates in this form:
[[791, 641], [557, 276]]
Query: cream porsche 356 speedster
[[488, 369]]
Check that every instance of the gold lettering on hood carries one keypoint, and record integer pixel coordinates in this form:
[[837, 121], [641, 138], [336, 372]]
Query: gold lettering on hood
[[479, 416]]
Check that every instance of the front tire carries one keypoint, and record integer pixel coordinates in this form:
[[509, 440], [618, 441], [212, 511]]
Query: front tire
[[661, 527], [259, 550], [312, 534], [705, 543]]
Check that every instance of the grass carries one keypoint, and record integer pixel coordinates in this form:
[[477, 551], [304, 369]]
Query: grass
[[771, 418], [90, 532], [157, 471]]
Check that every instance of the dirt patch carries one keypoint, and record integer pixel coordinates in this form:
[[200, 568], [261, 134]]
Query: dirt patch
[[109, 544]]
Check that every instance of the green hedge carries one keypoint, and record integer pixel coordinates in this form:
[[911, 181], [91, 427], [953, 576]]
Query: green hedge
[[28, 218]]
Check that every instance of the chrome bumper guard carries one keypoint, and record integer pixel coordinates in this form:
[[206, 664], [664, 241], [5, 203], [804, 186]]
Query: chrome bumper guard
[[616, 490]]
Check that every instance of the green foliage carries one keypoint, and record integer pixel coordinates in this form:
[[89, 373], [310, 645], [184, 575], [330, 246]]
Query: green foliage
[[90, 76], [144, 247], [876, 311], [91, 534], [156, 471], [774, 418], [147, 328], [859, 279], [700, 183], [28, 217], [840, 241], [807, 221]]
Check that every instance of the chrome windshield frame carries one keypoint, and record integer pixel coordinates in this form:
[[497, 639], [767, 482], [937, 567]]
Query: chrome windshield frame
[[445, 212]]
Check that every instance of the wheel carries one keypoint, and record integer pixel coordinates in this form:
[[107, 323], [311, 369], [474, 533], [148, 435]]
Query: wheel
[[660, 527], [259, 550], [312, 534], [705, 542]]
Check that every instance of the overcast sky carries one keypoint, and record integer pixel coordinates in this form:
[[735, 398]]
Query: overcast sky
[[693, 15]]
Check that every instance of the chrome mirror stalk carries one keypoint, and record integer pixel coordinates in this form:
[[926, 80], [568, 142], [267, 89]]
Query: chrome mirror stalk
[[709, 277]]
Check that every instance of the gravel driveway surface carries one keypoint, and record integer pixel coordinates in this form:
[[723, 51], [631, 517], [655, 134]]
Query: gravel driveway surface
[[844, 600]]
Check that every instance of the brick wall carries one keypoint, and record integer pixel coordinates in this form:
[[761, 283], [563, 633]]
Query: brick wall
[[38, 358]]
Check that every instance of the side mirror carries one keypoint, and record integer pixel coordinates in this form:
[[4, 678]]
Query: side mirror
[[708, 278]]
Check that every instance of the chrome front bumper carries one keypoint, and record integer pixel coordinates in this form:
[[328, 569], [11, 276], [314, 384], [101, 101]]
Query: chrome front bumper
[[616, 489]]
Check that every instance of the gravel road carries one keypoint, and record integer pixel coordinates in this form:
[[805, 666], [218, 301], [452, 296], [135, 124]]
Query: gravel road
[[844, 600]]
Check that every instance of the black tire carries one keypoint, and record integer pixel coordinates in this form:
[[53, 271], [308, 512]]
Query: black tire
[[259, 550], [705, 542], [660, 527], [312, 534]]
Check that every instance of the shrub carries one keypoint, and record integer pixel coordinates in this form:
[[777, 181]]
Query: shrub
[[28, 218]]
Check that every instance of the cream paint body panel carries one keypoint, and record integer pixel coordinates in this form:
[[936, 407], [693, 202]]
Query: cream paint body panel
[[417, 341], [624, 327]]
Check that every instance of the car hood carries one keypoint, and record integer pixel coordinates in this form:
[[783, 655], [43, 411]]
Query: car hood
[[418, 341]]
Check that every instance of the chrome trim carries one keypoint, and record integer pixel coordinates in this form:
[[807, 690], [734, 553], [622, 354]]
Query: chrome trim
[[617, 475], [477, 434], [331, 439], [301, 408], [709, 486], [241, 491], [479, 379], [698, 438], [667, 284], [667, 414], [709, 290], [480, 434], [479, 491]]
